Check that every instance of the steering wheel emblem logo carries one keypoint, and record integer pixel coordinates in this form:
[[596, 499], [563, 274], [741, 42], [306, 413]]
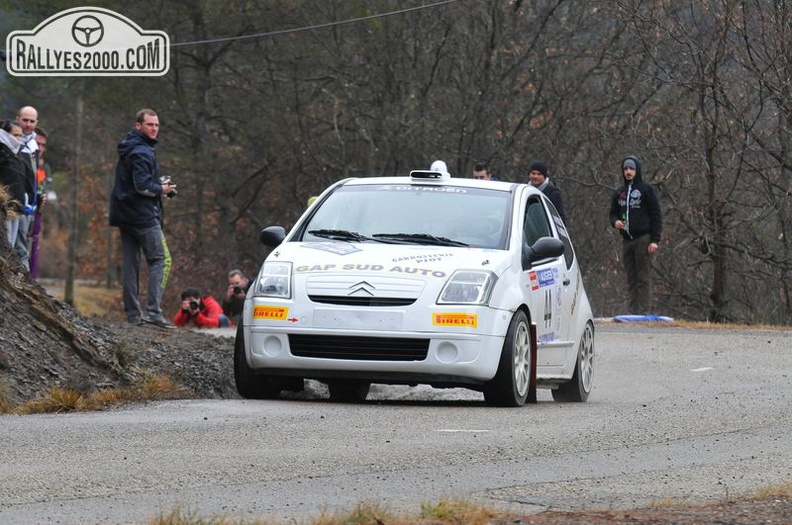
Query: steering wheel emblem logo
[[87, 31], [87, 42]]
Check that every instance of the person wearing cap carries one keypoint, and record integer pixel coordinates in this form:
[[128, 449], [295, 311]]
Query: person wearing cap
[[635, 212], [537, 176]]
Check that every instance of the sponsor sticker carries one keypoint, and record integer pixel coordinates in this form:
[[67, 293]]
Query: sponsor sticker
[[88, 41], [338, 248], [455, 319], [542, 278], [546, 277], [534, 280], [275, 313]]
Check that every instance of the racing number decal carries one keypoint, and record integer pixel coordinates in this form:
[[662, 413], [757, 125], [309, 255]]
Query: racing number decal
[[548, 309]]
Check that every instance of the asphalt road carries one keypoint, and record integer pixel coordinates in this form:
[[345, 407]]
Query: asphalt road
[[675, 415]]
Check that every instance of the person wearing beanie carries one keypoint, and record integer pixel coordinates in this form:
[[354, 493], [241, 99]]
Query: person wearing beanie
[[537, 176], [635, 212]]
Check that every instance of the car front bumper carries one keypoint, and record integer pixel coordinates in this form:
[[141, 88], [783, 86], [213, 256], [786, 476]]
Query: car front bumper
[[373, 344]]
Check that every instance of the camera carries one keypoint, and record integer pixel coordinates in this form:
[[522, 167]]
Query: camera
[[167, 180], [237, 289], [194, 305]]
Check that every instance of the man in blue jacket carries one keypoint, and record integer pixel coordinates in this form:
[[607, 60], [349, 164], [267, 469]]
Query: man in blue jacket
[[635, 212], [136, 209]]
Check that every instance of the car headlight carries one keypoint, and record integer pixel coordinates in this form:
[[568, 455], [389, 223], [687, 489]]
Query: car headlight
[[274, 280], [468, 287]]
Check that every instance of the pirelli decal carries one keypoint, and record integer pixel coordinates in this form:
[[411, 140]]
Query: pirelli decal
[[275, 313], [452, 319]]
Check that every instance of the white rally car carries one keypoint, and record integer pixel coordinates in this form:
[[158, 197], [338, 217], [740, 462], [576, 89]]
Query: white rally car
[[422, 279]]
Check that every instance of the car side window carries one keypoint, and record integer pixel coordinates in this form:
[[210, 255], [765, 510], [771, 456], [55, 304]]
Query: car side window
[[536, 225], [569, 254]]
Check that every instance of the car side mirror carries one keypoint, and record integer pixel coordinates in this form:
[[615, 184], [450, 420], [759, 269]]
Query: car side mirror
[[544, 248], [272, 236]]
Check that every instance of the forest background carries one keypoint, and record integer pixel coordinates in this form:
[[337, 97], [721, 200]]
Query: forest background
[[267, 102]]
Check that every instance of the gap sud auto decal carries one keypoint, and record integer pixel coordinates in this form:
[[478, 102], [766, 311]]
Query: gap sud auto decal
[[412, 270]]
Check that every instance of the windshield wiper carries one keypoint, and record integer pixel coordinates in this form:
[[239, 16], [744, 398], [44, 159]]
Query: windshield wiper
[[340, 235], [419, 238]]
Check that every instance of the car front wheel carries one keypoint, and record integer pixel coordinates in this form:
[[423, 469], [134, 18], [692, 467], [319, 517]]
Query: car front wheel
[[249, 384], [578, 388], [510, 386], [348, 391]]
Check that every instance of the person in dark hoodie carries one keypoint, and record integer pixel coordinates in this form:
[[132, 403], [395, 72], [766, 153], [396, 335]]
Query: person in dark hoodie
[[13, 176], [538, 177], [635, 212], [136, 209]]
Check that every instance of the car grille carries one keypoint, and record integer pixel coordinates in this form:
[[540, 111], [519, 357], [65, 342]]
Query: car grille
[[361, 301], [358, 348]]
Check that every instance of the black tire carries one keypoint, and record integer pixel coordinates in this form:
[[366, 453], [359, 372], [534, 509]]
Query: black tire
[[249, 384], [348, 391], [512, 382], [292, 384], [577, 389]]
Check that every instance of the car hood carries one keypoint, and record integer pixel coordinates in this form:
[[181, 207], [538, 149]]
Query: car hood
[[392, 260]]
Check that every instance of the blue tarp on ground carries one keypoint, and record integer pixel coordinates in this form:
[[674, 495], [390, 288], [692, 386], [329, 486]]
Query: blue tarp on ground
[[645, 318]]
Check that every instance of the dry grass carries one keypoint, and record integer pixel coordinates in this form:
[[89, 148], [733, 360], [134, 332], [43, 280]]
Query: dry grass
[[7, 397], [91, 300], [60, 400], [365, 513], [458, 512], [777, 491], [178, 517]]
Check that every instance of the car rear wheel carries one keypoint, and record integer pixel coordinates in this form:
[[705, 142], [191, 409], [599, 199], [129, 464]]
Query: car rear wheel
[[348, 391], [578, 388], [249, 384], [510, 386]]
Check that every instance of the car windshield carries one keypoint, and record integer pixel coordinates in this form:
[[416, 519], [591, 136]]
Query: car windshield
[[413, 214]]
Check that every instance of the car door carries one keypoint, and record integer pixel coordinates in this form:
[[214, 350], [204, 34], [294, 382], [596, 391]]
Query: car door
[[543, 283], [569, 286]]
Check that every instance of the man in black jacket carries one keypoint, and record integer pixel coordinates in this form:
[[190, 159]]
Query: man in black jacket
[[136, 209], [234, 300], [538, 177], [635, 212]]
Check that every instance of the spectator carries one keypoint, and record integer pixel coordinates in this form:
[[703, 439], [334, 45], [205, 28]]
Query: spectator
[[635, 212], [136, 209], [28, 118], [43, 176], [12, 176], [234, 300], [201, 312], [481, 171], [538, 177]]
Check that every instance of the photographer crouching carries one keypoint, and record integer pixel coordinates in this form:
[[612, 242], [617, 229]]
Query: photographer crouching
[[200, 311], [234, 300]]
